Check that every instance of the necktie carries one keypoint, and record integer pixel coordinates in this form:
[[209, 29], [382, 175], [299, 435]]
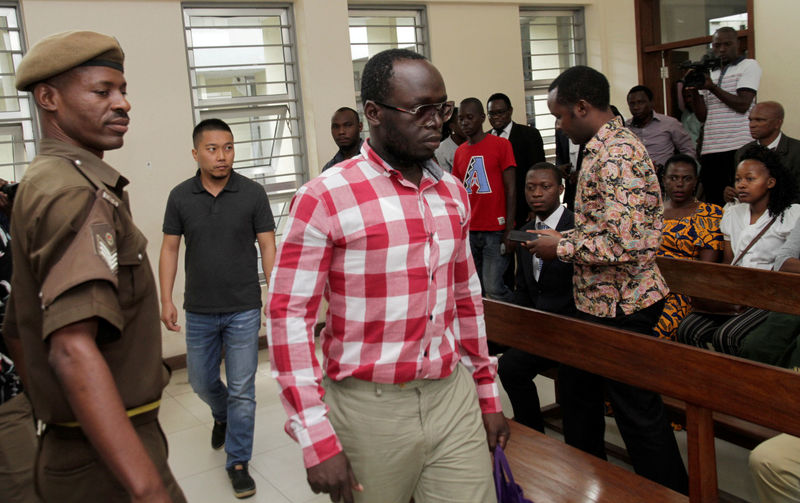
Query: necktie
[[498, 132], [537, 262]]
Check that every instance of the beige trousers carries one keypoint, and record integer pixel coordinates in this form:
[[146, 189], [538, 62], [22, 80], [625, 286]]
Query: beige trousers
[[775, 466], [423, 439]]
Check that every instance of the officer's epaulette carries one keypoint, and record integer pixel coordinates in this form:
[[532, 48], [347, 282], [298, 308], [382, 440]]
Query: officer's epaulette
[[108, 196]]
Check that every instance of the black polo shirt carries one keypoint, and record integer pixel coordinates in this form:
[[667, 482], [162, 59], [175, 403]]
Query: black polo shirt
[[220, 233]]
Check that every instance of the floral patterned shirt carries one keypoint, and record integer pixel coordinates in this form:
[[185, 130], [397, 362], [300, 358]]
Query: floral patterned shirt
[[618, 224]]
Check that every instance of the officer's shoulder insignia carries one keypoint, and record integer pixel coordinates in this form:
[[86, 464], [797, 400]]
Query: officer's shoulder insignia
[[105, 245], [111, 199]]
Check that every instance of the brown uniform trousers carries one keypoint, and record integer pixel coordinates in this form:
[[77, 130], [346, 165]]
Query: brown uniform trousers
[[17, 451], [81, 476]]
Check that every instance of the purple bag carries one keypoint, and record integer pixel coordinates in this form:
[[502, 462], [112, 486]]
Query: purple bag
[[507, 490]]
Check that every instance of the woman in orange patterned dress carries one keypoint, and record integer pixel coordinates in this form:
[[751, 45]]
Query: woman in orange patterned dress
[[691, 232]]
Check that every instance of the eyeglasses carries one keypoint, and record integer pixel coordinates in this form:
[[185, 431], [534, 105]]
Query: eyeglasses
[[425, 113], [498, 113]]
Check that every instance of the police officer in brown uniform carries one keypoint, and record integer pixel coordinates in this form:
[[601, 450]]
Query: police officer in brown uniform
[[84, 317]]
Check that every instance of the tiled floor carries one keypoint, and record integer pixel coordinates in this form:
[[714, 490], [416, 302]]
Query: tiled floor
[[277, 464]]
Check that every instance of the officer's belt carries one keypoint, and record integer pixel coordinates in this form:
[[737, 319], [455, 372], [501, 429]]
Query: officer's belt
[[136, 411]]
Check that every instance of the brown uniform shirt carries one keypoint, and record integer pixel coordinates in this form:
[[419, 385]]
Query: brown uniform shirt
[[77, 255]]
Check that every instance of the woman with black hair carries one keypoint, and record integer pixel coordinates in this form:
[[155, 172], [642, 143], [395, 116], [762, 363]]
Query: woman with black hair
[[691, 232], [754, 229]]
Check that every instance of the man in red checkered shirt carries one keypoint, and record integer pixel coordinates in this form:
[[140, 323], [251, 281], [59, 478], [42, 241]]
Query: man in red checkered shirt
[[409, 399]]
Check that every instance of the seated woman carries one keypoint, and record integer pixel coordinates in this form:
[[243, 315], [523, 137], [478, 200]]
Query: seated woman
[[753, 231], [775, 341], [691, 232]]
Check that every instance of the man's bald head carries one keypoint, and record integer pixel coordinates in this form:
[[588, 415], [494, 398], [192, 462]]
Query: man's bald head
[[766, 120], [773, 108]]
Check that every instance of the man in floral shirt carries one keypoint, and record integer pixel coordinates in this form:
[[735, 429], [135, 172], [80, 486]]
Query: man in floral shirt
[[618, 222]]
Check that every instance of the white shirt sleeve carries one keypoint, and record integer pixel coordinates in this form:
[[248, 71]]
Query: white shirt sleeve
[[790, 248], [726, 225], [751, 75]]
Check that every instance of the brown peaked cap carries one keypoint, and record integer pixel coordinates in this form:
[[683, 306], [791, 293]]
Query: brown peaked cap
[[63, 51]]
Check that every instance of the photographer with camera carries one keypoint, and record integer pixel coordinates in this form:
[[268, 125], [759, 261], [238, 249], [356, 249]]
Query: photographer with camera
[[722, 101]]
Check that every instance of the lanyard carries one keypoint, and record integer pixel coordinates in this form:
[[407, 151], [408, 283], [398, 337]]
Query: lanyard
[[722, 71]]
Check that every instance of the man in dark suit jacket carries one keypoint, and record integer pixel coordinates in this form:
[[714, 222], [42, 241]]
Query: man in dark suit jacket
[[545, 285], [525, 141], [766, 120], [569, 168]]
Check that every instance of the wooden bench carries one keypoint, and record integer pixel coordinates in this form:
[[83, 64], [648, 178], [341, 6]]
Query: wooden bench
[[549, 470], [767, 290], [773, 291], [701, 379]]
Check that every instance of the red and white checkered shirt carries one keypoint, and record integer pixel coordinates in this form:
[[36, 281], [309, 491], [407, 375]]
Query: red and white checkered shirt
[[393, 261]]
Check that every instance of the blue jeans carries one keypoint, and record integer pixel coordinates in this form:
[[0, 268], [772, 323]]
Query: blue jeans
[[490, 263], [206, 335]]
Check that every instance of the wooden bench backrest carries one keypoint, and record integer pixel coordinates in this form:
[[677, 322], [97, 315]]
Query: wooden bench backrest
[[773, 291], [759, 393], [706, 381]]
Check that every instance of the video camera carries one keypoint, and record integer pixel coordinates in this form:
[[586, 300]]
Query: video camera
[[699, 69]]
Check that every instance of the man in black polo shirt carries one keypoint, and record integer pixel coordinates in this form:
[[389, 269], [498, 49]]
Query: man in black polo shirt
[[221, 214]]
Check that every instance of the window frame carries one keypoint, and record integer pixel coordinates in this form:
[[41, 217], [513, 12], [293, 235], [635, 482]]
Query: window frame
[[256, 110], [24, 122], [536, 89], [365, 10]]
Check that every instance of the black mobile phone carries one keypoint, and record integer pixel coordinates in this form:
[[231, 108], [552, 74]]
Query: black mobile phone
[[522, 236]]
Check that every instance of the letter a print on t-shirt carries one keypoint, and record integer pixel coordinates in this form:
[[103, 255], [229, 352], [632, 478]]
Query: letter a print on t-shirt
[[476, 177]]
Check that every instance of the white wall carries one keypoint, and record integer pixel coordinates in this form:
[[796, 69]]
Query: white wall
[[611, 46], [478, 50], [776, 52], [326, 72]]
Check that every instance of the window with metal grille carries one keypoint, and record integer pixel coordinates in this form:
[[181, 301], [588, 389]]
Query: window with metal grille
[[242, 69], [552, 41], [17, 137], [376, 28]]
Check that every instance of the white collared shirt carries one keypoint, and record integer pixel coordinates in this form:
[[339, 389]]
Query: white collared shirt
[[574, 150], [506, 131], [737, 229], [774, 144], [551, 222]]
